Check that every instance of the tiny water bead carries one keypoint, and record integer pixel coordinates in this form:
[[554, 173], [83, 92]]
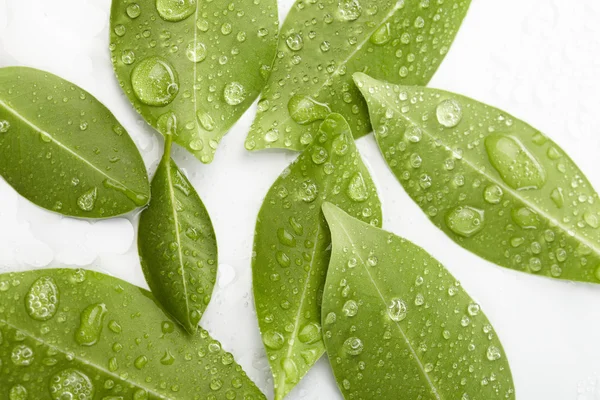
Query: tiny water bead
[[175, 10], [353, 346], [234, 93], [465, 221], [71, 384], [4, 126], [155, 81], [449, 113], [305, 110], [196, 52], [41, 301], [90, 326]]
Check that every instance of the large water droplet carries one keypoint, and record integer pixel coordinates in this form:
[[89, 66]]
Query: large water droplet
[[349, 10], [294, 42], [310, 333], [196, 52], [382, 35], [305, 110], [234, 93], [449, 113], [353, 346], [90, 326], [557, 197], [290, 369], [515, 164], [155, 81], [493, 353], [71, 384], [4, 126], [175, 10], [357, 189], [22, 355], [205, 120], [87, 201], [350, 308], [133, 10], [493, 194], [17, 392], [525, 217], [139, 199], [397, 310], [465, 221], [273, 340], [308, 191], [41, 301]]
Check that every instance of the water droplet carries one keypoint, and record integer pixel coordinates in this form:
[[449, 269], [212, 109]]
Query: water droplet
[[308, 191], [413, 134], [449, 113], [90, 326], [4, 126], [273, 340], [294, 42], [205, 120], [175, 10], [493, 194], [286, 238], [465, 221], [349, 10], [140, 362], [41, 301], [515, 164], [382, 35], [196, 52], [17, 392], [357, 189], [591, 219], [271, 136], [234, 93], [319, 155], [473, 309], [290, 369], [350, 308], [133, 10], [525, 217], [120, 30], [310, 333], [353, 346], [558, 197], [155, 81], [493, 353], [87, 201], [397, 310], [305, 110], [22, 355], [340, 145], [71, 384], [128, 58], [139, 199]]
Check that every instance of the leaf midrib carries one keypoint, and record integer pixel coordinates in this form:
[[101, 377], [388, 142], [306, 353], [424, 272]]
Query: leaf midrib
[[434, 390], [61, 145], [499, 182], [84, 361]]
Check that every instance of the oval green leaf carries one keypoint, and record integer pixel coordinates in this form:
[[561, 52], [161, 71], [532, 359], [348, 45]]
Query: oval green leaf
[[292, 247], [205, 61], [492, 183], [84, 335], [63, 150], [177, 245], [397, 325], [323, 43]]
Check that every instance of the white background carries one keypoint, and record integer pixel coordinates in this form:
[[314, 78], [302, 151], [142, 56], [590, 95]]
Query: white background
[[537, 59]]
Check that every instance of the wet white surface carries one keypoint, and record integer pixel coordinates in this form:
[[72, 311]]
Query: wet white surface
[[537, 59]]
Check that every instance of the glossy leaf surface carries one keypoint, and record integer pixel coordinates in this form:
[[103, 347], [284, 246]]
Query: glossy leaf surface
[[494, 184], [63, 150], [177, 245], [75, 334], [397, 325], [205, 61], [292, 247], [323, 43]]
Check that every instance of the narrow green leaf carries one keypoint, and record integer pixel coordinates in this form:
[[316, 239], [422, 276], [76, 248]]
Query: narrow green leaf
[[204, 61], [323, 43], [177, 244], [292, 247], [397, 325], [492, 183], [63, 150], [76, 334]]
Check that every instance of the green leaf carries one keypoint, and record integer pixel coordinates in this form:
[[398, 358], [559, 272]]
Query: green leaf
[[84, 335], [323, 43], [63, 150], [292, 247], [397, 325], [492, 183], [177, 245], [205, 61]]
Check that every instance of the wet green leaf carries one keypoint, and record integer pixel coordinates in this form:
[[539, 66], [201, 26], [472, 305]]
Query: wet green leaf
[[292, 247], [75, 334], [323, 43], [177, 245], [205, 61], [63, 150], [397, 325], [494, 184]]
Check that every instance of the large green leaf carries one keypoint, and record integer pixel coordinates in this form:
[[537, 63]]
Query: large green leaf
[[63, 150], [205, 61], [292, 247], [397, 325], [494, 184], [177, 244], [75, 334], [323, 43]]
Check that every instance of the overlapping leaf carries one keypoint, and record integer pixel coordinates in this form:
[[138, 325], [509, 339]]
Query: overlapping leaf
[[494, 184], [205, 61], [323, 43], [63, 150], [397, 325], [292, 247]]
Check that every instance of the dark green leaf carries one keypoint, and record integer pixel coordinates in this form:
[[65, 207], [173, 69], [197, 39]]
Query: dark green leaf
[[75, 334], [292, 247], [323, 43], [397, 325], [177, 245], [491, 182], [63, 150], [205, 61]]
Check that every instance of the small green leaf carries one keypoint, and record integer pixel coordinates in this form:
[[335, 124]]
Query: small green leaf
[[292, 247], [323, 43], [63, 150], [397, 325], [76, 334], [177, 244], [205, 61], [492, 183]]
